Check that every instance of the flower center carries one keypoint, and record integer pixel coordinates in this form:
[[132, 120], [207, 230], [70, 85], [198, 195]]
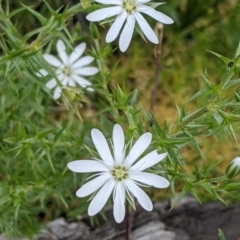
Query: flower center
[[67, 71], [129, 5], [120, 173]]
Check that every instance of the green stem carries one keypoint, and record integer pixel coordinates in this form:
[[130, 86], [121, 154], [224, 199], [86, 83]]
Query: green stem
[[130, 120], [218, 179], [107, 94], [190, 118]]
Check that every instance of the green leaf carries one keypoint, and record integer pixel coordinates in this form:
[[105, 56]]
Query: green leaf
[[198, 94], [11, 140], [237, 51], [231, 83], [224, 59]]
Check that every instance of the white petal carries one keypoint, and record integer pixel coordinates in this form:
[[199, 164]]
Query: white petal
[[42, 73], [147, 30], [52, 60], [57, 93], [139, 2], [61, 48], [101, 145], [71, 82], [155, 14], [84, 166], [81, 81], [118, 144], [51, 84], [114, 2], [138, 148], [77, 52], [82, 62], [101, 198], [116, 27], [93, 185], [90, 89], [141, 196], [148, 161], [64, 80], [86, 71], [127, 33], [119, 202], [150, 179], [103, 13]]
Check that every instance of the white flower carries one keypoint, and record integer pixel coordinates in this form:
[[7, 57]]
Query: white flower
[[70, 69], [128, 11], [119, 173], [233, 168]]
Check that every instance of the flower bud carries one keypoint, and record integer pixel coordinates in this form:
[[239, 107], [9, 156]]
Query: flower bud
[[86, 3], [233, 168], [232, 186]]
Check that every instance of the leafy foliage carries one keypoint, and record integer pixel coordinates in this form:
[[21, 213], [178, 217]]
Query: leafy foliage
[[38, 136]]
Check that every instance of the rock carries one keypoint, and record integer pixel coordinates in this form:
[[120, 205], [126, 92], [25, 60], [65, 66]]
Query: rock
[[61, 230], [202, 221], [152, 230]]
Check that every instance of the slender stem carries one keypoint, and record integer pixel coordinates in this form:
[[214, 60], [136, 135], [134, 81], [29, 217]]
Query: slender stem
[[190, 118], [159, 30], [127, 221]]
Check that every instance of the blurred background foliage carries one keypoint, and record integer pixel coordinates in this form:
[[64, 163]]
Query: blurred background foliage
[[38, 136]]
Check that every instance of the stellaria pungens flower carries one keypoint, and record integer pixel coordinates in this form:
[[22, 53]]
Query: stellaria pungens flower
[[119, 173], [129, 11], [70, 70]]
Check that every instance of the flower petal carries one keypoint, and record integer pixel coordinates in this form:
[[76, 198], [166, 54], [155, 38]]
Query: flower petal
[[141, 196], [77, 53], [148, 161], [63, 79], [52, 60], [139, 2], [118, 144], [82, 62], [103, 13], [93, 185], [116, 27], [101, 198], [119, 202], [101, 145], [127, 33], [42, 73], [71, 82], [61, 48], [138, 148], [51, 84], [84, 166], [155, 14], [86, 71], [114, 2], [81, 81], [147, 30], [150, 179], [57, 93]]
